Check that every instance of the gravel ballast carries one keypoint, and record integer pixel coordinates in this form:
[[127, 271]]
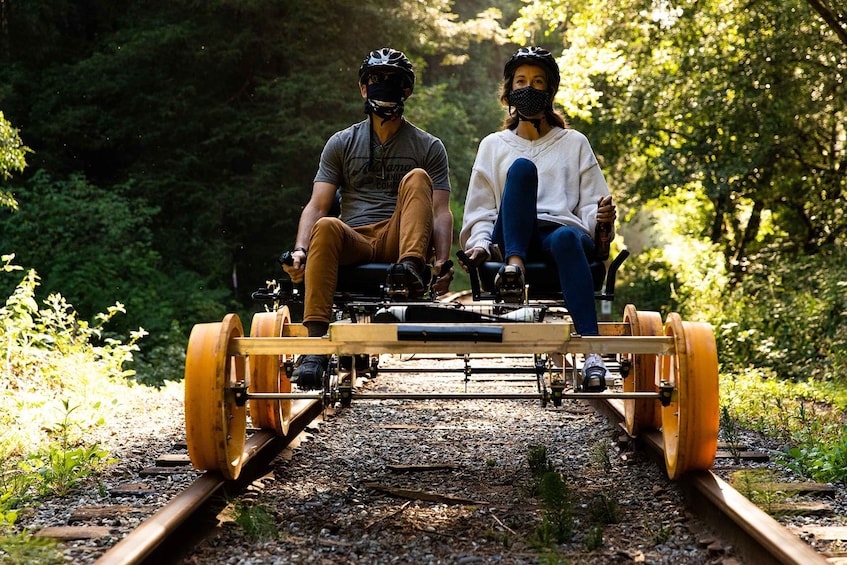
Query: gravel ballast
[[420, 481]]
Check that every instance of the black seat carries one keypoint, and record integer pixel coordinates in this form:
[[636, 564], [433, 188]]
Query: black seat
[[542, 279], [366, 280]]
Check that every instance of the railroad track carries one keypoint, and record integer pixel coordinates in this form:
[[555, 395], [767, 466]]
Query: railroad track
[[755, 536], [162, 535]]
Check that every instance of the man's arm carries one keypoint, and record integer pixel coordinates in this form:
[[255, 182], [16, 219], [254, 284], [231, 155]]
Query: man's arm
[[442, 234], [323, 196]]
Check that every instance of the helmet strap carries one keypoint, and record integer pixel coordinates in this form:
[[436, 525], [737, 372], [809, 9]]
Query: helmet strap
[[536, 122]]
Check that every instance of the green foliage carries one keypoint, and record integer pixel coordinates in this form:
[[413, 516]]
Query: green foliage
[[658, 533], [12, 158], [63, 465], [557, 513], [604, 509], [730, 432], [594, 538], [600, 459], [756, 486], [647, 281], [821, 461], [50, 354], [26, 548], [96, 247], [40, 343], [176, 143], [257, 521], [538, 462], [786, 315], [807, 417]]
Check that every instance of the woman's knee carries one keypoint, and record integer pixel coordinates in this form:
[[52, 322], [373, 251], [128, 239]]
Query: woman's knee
[[565, 241], [522, 171]]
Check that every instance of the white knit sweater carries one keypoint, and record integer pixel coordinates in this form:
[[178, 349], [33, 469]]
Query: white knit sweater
[[570, 182]]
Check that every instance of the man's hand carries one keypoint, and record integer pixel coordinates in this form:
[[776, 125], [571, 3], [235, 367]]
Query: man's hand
[[443, 277], [297, 269], [476, 255]]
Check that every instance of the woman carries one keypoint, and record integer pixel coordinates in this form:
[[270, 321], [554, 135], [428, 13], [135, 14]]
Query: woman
[[547, 180]]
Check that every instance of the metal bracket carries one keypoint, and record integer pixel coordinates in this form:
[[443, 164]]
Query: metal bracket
[[626, 367], [239, 393], [665, 393]]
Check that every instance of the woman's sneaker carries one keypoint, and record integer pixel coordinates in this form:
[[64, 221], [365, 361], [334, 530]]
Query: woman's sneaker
[[594, 374], [509, 283]]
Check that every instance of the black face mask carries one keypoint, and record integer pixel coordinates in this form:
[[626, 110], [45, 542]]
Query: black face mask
[[529, 101], [385, 99]]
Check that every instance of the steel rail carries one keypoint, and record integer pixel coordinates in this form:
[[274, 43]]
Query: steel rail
[[756, 536], [139, 545]]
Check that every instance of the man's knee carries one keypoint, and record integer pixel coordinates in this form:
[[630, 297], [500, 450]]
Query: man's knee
[[327, 228], [416, 180]]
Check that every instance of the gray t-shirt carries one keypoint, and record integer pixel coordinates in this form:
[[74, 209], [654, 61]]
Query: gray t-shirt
[[369, 194]]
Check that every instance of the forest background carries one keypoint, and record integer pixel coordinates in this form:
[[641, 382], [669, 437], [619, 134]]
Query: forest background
[[157, 154]]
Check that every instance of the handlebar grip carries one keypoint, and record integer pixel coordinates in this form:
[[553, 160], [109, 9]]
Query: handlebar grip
[[286, 259]]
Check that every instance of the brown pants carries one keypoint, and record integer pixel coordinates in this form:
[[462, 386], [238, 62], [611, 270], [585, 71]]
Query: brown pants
[[406, 234]]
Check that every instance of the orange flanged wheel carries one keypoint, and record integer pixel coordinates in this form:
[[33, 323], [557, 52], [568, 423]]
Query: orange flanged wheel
[[642, 414], [690, 421], [267, 374], [215, 426]]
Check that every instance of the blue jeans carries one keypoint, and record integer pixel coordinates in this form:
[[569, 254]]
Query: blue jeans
[[518, 232]]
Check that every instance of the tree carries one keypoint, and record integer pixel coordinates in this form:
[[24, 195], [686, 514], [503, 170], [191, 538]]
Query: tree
[[834, 13], [210, 117], [743, 104], [12, 158]]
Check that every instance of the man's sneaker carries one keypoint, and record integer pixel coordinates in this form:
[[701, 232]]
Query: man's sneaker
[[594, 374], [509, 283], [404, 281], [309, 374]]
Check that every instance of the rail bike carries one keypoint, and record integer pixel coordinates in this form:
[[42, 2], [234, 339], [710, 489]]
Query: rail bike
[[668, 369]]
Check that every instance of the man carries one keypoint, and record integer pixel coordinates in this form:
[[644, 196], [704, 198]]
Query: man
[[395, 203]]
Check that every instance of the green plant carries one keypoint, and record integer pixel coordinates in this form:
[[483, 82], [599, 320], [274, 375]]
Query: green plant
[[756, 484], [807, 417], [552, 556], [600, 458], [594, 538], [538, 462], [557, 513], [15, 487], [730, 433], [257, 521], [16, 549], [604, 509], [63, 465], [657, 534], [822, 461]]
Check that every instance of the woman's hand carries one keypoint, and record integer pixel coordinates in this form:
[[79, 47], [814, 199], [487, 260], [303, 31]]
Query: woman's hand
[[606, 211], [476, 255]]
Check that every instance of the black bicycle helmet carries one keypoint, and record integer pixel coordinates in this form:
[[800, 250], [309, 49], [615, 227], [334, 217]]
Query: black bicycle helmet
[[534, 56], [388, 59]]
